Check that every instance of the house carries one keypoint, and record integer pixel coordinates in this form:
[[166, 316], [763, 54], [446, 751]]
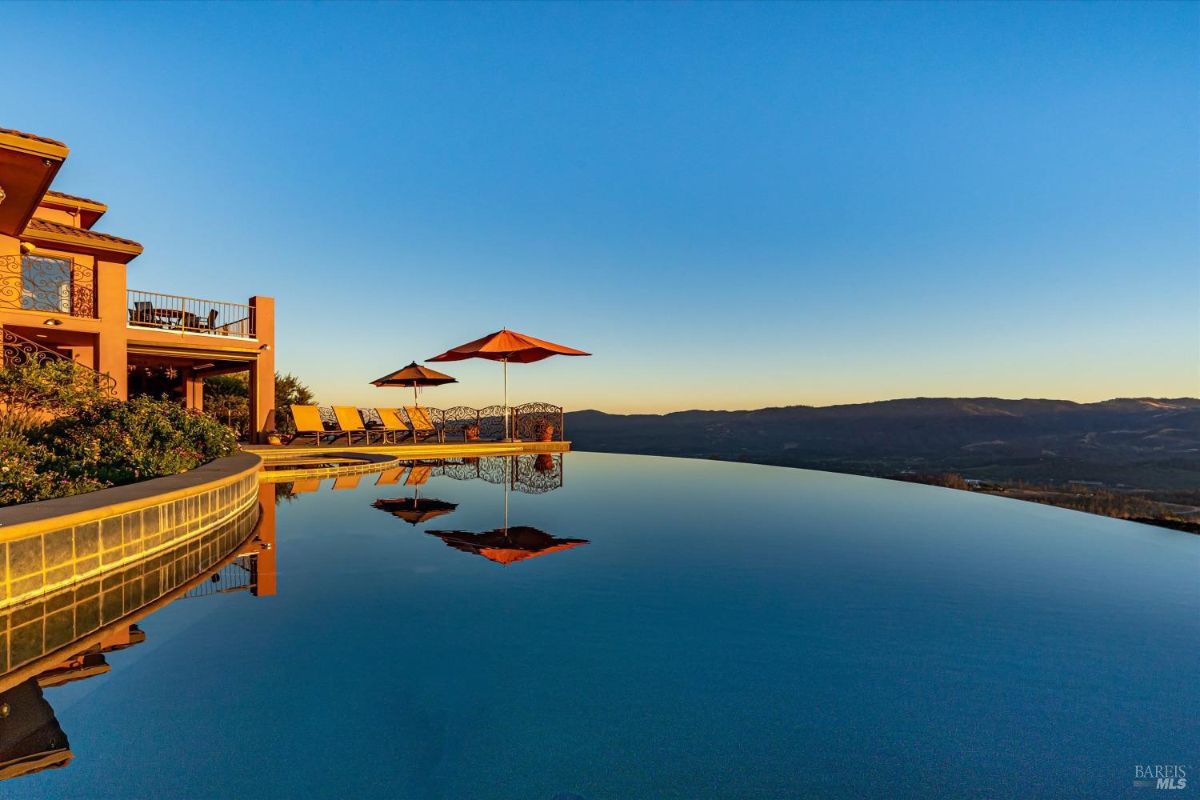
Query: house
[[64, 294]]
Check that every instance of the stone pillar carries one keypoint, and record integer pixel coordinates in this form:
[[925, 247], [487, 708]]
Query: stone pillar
[[193, 390], [112, 355], [262, 370]]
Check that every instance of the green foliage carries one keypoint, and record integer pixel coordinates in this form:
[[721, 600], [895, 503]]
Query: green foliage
[[227, 399], [34, 392], [289, 391], [143, 438], [26, 475], [62, 434]]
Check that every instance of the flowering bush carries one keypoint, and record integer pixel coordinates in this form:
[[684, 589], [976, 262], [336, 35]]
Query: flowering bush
[[25, 474], [143, 438], [34, 392], [61, 434]]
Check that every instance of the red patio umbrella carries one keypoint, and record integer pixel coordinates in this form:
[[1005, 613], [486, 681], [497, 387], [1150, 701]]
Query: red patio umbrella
[[505, 346], [414, 375]]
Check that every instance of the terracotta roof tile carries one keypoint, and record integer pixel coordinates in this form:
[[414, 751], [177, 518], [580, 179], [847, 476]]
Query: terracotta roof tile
[[45, 226], [32, 137], [54, 195]]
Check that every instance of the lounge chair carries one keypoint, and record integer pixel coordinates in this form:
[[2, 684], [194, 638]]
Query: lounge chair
[[303, 485], [346, 481], [418, 475], [308, 423], [391, 424], [389, 477], [351, 422], [422, 426]]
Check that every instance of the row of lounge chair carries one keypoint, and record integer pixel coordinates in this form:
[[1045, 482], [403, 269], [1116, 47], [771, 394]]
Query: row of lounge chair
[[415, 425]]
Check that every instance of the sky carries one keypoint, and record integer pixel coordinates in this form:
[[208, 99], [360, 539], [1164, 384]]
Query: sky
[[729, 205]]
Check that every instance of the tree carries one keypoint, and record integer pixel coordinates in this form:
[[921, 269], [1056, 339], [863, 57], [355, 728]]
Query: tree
[[289, 391], [227, 399]]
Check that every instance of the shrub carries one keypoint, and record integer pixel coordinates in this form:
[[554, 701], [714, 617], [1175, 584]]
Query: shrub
[[136, 440], [26, 475], [34, 392]]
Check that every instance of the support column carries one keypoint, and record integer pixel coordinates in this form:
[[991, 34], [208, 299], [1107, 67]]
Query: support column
[[193, 390], [112, 354], [262, 370]]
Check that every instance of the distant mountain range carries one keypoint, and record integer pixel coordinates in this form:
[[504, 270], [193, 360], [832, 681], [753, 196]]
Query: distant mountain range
[[1141, 442]]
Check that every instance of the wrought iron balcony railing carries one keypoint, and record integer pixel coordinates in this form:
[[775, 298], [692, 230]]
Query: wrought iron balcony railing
[[190, 314], [48, 283]]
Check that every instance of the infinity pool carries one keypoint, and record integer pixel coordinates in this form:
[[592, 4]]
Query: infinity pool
[[615, 627]]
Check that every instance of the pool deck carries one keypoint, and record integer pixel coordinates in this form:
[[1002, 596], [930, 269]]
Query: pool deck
[[425, 450]]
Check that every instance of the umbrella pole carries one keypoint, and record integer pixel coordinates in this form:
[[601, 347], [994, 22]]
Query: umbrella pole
[[507, 431], [416, 402]]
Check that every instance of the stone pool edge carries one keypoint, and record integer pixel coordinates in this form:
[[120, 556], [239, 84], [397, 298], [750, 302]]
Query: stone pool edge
[[51, 544]]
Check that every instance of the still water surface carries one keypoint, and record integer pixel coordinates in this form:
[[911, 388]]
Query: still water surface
[[647, 628]]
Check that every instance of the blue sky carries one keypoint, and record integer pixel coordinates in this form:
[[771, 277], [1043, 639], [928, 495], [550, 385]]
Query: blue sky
[[732, 206]]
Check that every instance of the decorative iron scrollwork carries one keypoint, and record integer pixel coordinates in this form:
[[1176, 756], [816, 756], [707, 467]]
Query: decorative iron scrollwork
[[456, 419], [491, 422], [48, 283], [531, 419], [538, 474], [19, 351]]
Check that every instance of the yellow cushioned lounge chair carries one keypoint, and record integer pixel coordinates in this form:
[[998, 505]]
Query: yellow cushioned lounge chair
[[346, 481], [389, 477], [422, 425], [308, 423], [418, 475], [392, 424], [350, 421]]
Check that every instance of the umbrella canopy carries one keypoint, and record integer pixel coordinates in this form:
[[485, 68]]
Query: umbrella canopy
[[415, 510], [505, 346], [414, 375], [507, 545]]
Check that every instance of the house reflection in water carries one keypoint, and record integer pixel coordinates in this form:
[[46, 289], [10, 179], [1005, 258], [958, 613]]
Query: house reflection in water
[[65, 636]]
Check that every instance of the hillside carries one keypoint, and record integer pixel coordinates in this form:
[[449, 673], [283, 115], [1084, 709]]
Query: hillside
[[1127, 443]]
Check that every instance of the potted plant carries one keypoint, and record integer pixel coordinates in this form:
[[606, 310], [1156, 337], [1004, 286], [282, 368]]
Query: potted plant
[[543, 431], [471, 432]]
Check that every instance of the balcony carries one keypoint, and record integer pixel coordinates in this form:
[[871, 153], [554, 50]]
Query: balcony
[[169, 312], [48, 283]]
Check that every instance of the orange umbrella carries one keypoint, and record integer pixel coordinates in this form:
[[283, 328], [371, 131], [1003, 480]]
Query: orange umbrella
[[505, 346], [414, 375]]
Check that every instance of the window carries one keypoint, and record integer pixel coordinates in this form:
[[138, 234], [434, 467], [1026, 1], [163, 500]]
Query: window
[[46, 283]]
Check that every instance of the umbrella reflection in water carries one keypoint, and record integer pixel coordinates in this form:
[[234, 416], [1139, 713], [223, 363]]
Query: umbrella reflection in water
[[416, 509], [509, 544], [506, 545]]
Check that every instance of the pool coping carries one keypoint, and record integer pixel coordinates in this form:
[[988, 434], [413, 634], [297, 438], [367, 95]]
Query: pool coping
[[28, 518]]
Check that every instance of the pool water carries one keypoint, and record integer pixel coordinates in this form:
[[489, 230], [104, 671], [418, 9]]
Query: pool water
[[611, 627]]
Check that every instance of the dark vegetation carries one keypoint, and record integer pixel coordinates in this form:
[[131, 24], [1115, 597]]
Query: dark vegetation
[[1130, 458], [227, 400], [63, 434]]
